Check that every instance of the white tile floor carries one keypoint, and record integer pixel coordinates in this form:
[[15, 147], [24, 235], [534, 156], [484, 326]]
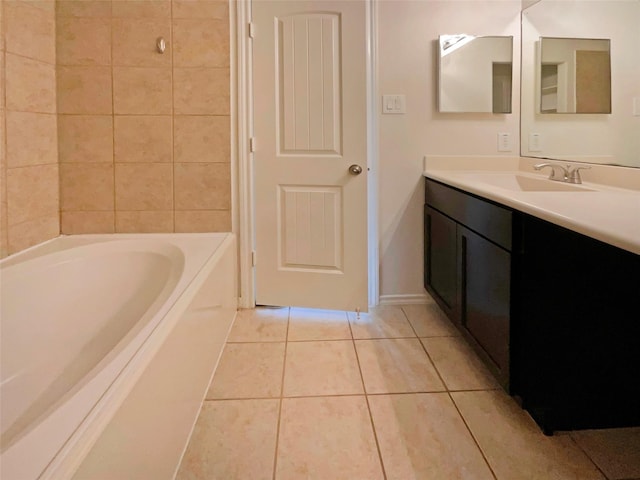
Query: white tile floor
[[393, 394]]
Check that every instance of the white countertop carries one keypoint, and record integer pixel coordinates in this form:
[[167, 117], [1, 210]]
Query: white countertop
[[606, 213]]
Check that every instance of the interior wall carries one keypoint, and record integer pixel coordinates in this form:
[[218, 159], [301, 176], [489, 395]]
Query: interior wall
[[29, 197], [407, 64], [144, 137]]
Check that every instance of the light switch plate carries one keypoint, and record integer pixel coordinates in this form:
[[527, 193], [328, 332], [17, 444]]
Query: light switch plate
[[394, 104], [636, 106]]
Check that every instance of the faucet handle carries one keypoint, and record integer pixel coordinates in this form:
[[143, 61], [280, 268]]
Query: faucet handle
[[574, 174]]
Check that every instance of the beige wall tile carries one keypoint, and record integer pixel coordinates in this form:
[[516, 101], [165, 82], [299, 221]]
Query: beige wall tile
[[85, 138], [84, 90], [193, 221], [321, 368], [86, 187], [201, 91], [248, 370], [142, 139], [134, 42], [144, 91], [48, 5], [144, 186], [327, 437], [201, 43], [32, 232], [30, 31], [232, 439], [201, 9], [202, 139], [144, 222], [30, 85], [142, 8], [31, 139], [32, 192], [83, 41], [3, 188], [77, 223], [423, 436], [397, 365], [202, 186], [83, 8]]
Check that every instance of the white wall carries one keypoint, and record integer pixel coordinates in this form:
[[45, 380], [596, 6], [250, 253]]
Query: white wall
[[406, 64]]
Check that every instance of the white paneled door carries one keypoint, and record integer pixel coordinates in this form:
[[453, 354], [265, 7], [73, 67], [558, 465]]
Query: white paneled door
[[310, 153]]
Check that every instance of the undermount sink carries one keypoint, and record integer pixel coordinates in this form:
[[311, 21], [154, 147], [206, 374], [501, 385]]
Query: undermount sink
[[521, 183]]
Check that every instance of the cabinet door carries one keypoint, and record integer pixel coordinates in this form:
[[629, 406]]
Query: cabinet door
[[440, 259], [485, 274]]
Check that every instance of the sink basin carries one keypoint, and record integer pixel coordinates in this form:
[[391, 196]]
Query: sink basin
[[521, 183]]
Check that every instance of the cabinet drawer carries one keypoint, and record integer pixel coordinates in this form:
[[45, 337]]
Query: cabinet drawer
[[489, 220]]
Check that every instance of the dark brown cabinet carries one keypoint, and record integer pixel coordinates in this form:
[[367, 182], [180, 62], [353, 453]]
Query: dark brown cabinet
[[555, 314], [485, 291], [441, 271], [468, 269]]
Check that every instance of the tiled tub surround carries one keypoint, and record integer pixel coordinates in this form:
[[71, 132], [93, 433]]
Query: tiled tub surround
[[155, 311], [610, 212], [29, 200], [393, 394], [144, 138]]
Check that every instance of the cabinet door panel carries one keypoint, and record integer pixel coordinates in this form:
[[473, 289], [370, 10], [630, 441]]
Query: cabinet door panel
[[440, 258], [485, 295]]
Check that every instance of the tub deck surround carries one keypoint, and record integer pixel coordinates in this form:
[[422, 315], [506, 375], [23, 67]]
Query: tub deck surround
[[603, 211], [108, 306]]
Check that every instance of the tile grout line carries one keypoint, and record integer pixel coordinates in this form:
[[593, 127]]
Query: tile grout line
[[284, 366], [448, 392], [589, 457], [366, 399], [113, 115]]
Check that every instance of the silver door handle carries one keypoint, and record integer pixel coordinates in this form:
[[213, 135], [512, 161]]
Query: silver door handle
[[355, 169]]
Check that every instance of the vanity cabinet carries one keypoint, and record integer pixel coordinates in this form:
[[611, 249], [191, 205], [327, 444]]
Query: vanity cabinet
[[468, 269], [553, 313]]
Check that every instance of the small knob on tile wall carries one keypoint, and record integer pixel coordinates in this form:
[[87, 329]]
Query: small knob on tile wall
[[161, 44]]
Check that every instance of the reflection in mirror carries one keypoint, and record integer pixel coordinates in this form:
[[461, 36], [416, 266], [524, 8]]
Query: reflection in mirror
[[474, 74], [575, 75], [612, 139]]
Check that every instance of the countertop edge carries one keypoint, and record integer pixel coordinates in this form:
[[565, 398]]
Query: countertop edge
[[556, 217]]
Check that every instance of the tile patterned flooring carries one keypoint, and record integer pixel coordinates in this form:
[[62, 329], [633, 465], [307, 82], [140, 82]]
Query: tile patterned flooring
[[393, 394]]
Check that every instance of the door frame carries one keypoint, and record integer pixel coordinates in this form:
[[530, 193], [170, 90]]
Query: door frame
[[242, 194]]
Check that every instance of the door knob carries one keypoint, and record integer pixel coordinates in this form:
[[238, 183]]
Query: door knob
[[355, 169]]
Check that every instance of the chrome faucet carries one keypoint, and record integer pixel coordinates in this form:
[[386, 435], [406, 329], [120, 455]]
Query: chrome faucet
[[563, 177], [569, 174]]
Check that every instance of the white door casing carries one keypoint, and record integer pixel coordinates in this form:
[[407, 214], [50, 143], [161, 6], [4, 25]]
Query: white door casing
[[310, 126]]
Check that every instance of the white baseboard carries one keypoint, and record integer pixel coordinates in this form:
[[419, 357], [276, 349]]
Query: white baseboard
[[405, 299]]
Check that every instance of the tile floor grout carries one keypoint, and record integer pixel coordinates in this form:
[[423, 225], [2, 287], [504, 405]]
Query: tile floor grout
[[282, 397], [364, 388]]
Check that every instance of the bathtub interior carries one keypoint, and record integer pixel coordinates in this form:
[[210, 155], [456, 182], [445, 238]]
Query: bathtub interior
[[62, 319]]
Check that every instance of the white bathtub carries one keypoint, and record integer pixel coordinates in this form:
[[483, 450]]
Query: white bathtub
[[83, 319]]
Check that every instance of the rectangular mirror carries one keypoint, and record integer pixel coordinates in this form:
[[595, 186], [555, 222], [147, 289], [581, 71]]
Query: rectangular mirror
[[610, 138], [475, 74], [575, 75]]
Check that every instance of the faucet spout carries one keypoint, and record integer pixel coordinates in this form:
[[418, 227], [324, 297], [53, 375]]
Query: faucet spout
[[558, 172]]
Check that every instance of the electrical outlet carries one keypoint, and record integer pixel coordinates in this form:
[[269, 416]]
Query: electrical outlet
[[504, 142]]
